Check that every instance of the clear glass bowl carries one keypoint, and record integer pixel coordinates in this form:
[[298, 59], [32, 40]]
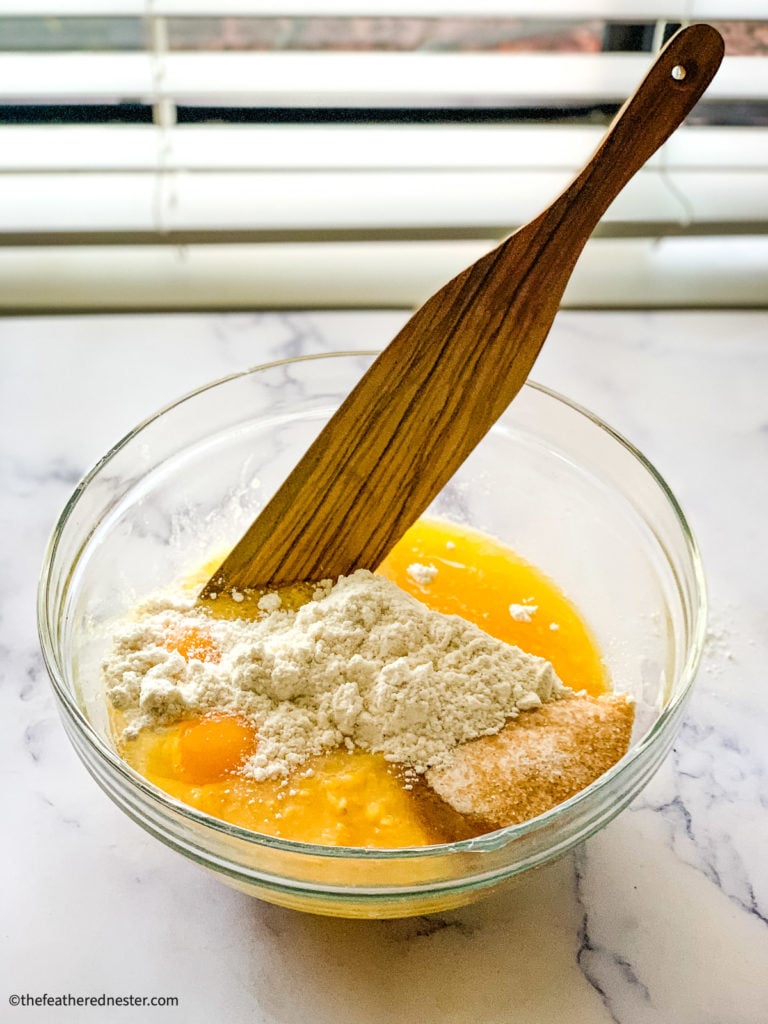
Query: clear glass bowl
[[550, 480]]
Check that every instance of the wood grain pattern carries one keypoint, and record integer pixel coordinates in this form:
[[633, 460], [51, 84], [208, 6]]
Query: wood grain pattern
[[436, 390]]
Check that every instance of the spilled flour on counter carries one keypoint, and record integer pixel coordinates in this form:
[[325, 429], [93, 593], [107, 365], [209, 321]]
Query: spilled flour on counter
[[362, 664]]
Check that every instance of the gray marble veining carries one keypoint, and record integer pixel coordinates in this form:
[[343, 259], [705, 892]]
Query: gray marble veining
[[661, 917]]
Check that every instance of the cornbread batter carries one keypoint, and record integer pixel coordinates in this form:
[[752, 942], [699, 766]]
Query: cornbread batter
[[216, 755]]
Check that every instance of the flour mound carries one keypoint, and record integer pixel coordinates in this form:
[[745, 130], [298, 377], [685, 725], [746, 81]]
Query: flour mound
[[363, 664]]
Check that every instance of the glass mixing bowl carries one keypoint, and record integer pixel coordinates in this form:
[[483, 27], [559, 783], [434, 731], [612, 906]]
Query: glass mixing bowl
[[550, 480]]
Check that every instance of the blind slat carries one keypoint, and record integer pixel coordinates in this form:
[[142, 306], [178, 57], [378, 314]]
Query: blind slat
[[316, 79], [392, 200], [611, 272], [240, 147]]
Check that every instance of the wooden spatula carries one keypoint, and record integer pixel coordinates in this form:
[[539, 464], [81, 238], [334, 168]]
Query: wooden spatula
[[435, 391]]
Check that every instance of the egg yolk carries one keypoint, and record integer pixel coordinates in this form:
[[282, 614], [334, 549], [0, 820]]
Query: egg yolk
[[191, 642], [211, 748]]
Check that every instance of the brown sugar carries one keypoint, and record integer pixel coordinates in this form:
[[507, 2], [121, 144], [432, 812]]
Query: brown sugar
[[537, 761]]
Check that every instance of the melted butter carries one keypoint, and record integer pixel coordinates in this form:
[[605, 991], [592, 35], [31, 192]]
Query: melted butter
[[358, 799]]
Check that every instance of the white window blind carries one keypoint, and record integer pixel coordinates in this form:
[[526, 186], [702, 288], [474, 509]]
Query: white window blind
[[179, 154]]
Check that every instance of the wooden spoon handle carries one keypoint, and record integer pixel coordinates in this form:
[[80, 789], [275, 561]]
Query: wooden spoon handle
[[669, 91], [439, 386]]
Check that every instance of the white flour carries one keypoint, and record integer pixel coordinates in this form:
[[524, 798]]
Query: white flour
[[363, 664], [523, 612], [423, 574]]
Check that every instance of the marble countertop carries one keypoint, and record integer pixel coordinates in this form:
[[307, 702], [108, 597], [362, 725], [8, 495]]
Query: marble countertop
[[661, 917]]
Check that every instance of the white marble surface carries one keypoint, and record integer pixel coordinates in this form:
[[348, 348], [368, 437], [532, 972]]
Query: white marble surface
[[662, 917]]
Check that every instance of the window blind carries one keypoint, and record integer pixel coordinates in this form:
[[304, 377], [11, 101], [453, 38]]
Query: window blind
[[179, 154]]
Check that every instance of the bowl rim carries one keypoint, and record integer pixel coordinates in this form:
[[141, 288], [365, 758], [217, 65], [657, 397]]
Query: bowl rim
[[486, 843]]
